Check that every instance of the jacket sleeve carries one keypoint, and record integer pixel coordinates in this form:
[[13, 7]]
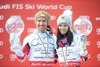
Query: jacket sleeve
[[55, 57], [23, 53], [85, 55], [83, 50]]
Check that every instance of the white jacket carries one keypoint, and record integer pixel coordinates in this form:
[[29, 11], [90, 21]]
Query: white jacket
[[73, 52], [37, 50]]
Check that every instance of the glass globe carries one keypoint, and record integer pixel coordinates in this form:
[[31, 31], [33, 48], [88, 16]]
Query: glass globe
[[14, 25], [83, 26]]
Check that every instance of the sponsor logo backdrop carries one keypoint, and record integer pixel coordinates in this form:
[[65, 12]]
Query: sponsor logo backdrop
[[26, 10]]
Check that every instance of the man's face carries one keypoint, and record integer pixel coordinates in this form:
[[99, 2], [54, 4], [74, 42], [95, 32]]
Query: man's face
[[41, 24]]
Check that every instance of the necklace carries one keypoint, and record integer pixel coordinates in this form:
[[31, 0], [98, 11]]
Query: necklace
[[46, 51], [64, 56]]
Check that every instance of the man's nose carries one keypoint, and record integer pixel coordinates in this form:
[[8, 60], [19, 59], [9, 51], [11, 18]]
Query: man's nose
[[41, 22]]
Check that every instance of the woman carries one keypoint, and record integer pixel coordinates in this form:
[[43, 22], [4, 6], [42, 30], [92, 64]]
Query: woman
[[71, 48]]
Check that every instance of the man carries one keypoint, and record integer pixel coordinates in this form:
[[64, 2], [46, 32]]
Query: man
[[39, 46]]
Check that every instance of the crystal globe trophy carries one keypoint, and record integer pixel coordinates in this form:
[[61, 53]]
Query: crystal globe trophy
[[14, 26], [82, 25]]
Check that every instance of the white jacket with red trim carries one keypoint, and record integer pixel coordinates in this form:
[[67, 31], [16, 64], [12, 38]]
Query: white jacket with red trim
[[76, 52], [34, 49]]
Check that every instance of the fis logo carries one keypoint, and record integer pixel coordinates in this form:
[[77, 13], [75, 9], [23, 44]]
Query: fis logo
[[98, 31], [1, 17], [12, 57], [1, 56], [1, 43], [98, 57], [1, 30]]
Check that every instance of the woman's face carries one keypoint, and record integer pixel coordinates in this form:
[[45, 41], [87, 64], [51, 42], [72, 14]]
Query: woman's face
[[63, 28], [41, 24]]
